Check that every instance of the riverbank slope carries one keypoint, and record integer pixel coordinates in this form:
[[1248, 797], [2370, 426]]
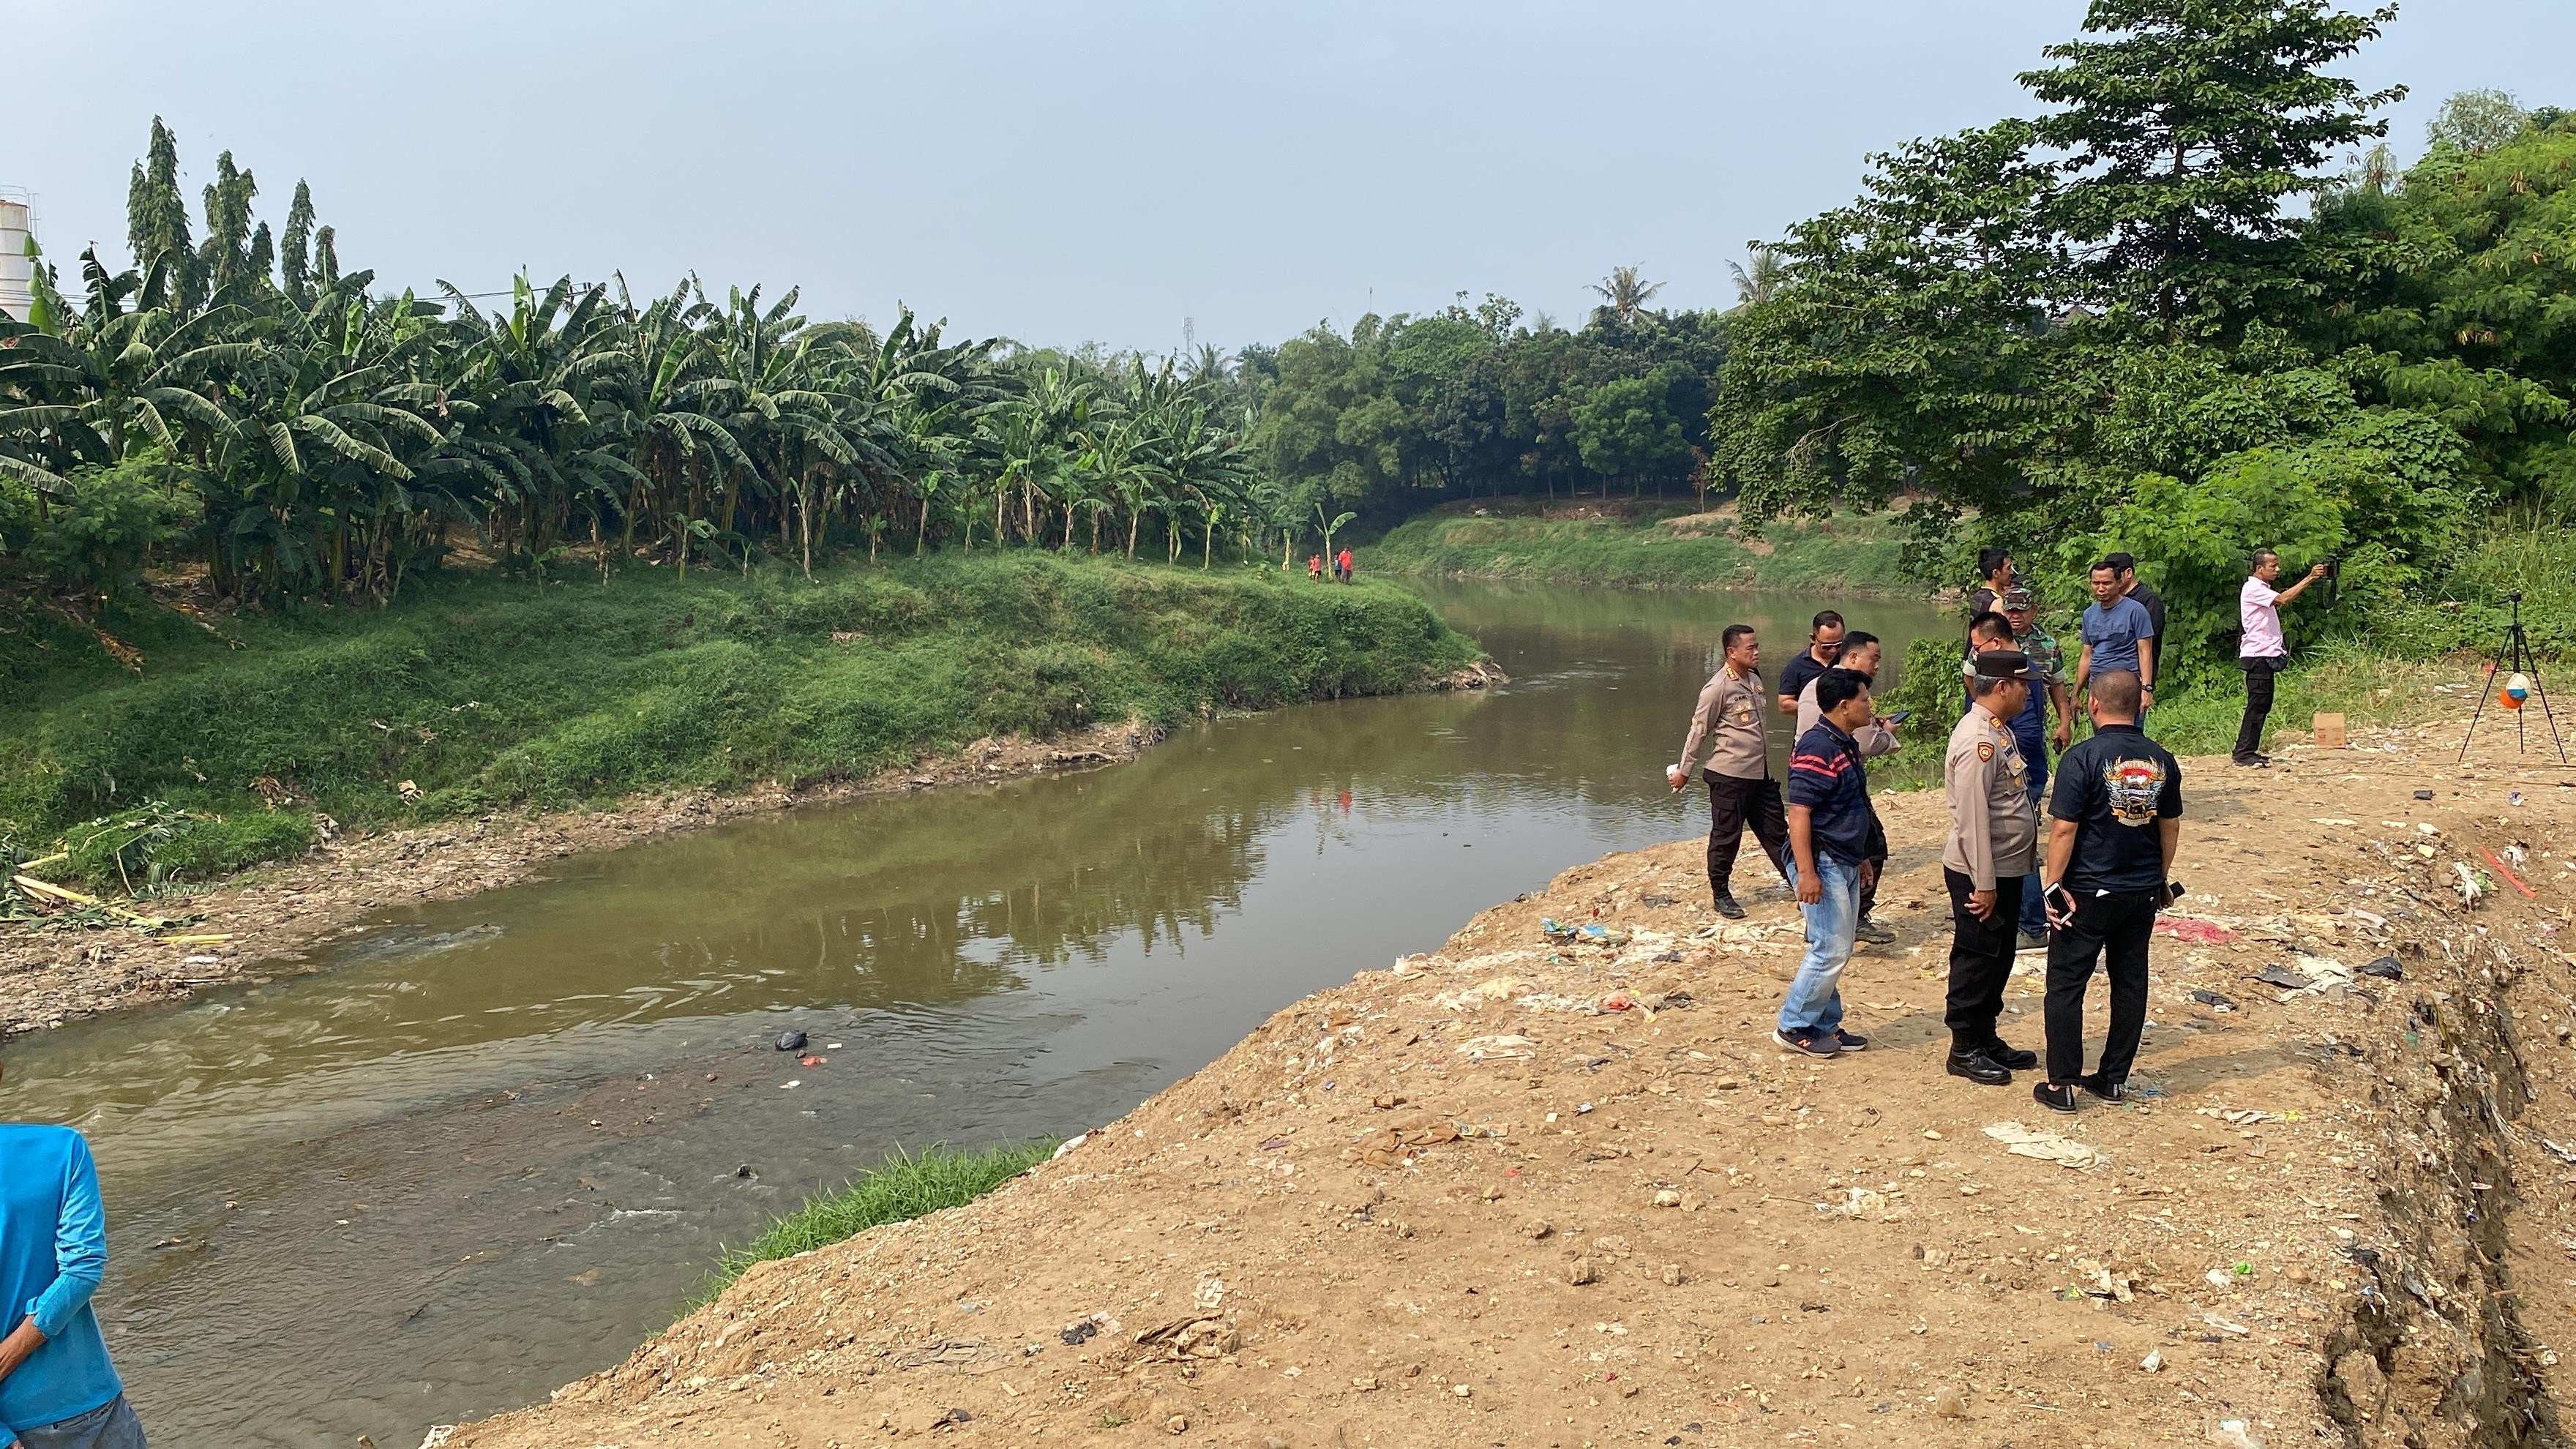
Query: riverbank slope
[[1457, 1202], [460, 740], [1647, 543]]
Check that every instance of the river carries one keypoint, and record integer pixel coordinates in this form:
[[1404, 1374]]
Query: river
[[491, 1144]]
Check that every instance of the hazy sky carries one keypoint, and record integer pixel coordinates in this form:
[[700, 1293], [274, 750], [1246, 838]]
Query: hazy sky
[[1061, 172]]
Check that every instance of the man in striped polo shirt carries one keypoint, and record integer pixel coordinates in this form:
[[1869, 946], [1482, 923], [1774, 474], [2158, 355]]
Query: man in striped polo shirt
[[1834, 835]]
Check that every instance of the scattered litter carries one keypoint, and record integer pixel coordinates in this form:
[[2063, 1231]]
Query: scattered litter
[[1588, 934], [2508, 874], [809, 1061], [2423, 794], [2192, 930], [2330, 820], [2386, 968], [2213, 1001], [2563, 1154], [2471, 888], [791, 1041], [2022, 1141], [2283, 977], [2513, 798], [2232, 1434], [1498, 1048], [1071, 1143], [2223, 1326], [2154, 1360]]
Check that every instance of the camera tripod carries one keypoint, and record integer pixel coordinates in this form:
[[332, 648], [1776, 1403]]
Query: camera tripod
[[2515, 658]]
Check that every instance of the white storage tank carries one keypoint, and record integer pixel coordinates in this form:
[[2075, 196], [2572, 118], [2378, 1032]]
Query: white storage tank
[[16, 267]]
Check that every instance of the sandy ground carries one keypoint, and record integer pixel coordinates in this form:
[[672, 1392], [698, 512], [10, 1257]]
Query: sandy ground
[[1458, 1202]]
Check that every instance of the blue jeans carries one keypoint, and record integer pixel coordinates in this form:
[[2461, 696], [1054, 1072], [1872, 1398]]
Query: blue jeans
[[1815, 1001], [2034, 911], [111, 1425]]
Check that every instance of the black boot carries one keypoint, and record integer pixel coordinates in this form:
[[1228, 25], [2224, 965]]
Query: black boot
[[1973, 1064], [1728, 907], [2007, 1055]]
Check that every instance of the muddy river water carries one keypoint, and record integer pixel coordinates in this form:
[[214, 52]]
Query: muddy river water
[[494, 1143]]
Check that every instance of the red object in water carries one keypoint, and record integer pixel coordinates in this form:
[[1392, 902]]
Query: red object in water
[[809, 1061], [2193, 931]]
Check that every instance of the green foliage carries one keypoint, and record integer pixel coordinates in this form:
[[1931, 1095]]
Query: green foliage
[[98, 529], [157, 843], [335, 439], [1403, 410], [1626, 429], [487, 693], [906, 1188], [1647, 548]]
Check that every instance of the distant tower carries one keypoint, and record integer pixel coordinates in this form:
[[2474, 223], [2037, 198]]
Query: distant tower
[[16, 267]]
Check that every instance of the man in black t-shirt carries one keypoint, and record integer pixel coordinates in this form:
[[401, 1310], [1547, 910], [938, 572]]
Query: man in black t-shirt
[[2116, 821], [1824, 639]]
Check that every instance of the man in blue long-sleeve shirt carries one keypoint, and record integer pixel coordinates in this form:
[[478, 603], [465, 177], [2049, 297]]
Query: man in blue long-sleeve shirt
[[57, 1388]]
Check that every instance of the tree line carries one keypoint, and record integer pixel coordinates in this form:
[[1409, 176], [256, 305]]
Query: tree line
[[2189, 306], [241, 401]]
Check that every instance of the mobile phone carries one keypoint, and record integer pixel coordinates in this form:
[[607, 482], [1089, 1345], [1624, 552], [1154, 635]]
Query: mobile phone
[[2173, 891], [1900, 717], [2060, 899]]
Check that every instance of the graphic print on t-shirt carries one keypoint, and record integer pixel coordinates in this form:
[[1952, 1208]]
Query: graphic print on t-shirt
[[2134, 786]]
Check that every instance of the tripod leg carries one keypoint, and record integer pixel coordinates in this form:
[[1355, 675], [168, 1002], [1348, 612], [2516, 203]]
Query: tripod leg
[[2531, 666], [2480, 712]]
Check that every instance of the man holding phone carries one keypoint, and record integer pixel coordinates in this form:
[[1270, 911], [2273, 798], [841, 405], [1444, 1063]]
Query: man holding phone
[[2116, 826], [1993, 838]]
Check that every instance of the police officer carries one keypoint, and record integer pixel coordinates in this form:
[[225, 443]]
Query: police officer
[[1994, 834], [1729, 726]]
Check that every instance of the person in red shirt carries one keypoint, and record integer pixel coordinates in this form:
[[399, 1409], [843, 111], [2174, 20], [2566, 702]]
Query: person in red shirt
[[1315, 567], [1344, 564]]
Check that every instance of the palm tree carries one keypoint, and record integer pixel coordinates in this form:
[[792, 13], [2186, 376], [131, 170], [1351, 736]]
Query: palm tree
[[1763, 280], [1626, 292]]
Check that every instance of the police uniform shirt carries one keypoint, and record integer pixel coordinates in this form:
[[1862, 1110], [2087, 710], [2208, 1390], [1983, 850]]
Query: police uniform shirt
[[1731, 722], [1993, 830]]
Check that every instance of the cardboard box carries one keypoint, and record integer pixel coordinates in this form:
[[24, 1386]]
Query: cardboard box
[[2329, 730]]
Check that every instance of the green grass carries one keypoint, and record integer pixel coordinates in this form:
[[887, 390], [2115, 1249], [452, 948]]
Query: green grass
[[906, 1188], [1653, 546], [488, 693]]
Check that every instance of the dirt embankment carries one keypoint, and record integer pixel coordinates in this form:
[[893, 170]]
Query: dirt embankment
[[1457, 1202]]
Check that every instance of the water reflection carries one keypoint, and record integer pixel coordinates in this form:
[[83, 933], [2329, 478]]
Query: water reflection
[[375, 1198]]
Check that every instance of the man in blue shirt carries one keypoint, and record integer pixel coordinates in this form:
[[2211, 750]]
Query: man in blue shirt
[[2114, 629], [57, 1388], [1834, 836]]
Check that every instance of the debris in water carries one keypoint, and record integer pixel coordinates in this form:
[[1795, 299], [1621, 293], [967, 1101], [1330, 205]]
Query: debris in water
[[791, 1041]]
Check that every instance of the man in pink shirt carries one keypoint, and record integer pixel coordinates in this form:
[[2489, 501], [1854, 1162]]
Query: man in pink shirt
[[2263, 654]]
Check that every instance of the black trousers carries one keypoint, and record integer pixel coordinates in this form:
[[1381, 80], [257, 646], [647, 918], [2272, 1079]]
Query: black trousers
[[1981, 958], [2259, 676], [2112, 930], [1732, 805]]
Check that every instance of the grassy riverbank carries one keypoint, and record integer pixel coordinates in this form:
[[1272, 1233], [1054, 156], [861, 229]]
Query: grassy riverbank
[[218, 748], [1640, 545], [906, 1188]]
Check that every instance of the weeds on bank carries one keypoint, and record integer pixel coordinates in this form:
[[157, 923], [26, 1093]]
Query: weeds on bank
[[906, 1188], [483, 694], [1650, 549]]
